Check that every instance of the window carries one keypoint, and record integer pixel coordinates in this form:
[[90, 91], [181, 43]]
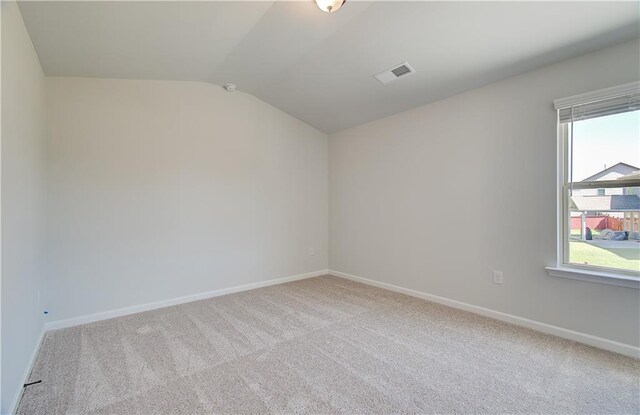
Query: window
[[599, 204]]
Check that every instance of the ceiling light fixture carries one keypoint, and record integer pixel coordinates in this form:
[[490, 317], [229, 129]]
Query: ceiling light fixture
[[329, 6]]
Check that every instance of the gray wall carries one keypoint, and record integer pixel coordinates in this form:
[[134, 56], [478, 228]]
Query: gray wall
[[164, 189], [436, 198], [23, 130]]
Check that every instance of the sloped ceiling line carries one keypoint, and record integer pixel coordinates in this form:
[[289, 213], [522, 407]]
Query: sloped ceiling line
[[316, 66]]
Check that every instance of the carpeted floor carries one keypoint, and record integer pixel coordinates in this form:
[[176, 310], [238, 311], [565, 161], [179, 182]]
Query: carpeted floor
[[323, 345]]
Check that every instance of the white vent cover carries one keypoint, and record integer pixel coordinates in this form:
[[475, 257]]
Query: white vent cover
[[394, 73]]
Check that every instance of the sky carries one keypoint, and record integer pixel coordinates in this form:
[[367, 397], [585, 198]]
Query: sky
[[605, 141]]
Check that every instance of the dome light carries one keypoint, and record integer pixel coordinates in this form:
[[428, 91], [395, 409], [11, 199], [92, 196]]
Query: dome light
[[329, 6]]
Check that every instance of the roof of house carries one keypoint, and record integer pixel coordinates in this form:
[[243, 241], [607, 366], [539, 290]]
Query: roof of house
[[617, 203], [599, 174]]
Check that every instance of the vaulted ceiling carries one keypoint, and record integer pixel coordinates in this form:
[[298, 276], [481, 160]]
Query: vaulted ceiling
[[315, 66]]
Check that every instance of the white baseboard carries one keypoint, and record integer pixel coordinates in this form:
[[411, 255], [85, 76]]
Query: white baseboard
[[599, 342], [27, 372], [90, 318]]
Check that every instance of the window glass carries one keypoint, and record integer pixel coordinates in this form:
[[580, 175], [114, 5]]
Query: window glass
[[602, 192]]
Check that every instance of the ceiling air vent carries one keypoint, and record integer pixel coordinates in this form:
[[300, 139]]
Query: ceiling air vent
[[394, 73]]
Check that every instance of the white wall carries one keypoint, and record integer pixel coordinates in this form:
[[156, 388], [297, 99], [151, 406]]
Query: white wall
[[163, 189], [23, 129], [436, 198]]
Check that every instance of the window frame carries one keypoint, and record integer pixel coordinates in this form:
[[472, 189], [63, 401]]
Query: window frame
[[563, 269]]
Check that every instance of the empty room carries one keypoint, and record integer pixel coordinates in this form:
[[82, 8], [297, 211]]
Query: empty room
[[320, 207]]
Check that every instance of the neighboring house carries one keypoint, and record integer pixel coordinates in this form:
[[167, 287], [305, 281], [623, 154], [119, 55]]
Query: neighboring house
[[632, 176], [615, 172], [590, 206]]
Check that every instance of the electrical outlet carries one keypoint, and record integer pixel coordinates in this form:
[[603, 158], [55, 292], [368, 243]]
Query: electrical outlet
[[312, 251], [498, 277]]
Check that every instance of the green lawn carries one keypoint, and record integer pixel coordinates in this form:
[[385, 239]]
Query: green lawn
[[584, 253]]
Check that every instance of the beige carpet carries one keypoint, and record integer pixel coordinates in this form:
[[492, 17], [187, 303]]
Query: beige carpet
[[322, 345]]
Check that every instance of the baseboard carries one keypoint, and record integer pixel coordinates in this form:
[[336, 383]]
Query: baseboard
[[595, 341], [25, 377], [90, 318]]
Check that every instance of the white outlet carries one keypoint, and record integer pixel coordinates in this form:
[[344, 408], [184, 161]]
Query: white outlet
[[312, 251], [498, 277]]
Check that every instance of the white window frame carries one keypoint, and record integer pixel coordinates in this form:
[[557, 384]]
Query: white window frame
[[575, 271]]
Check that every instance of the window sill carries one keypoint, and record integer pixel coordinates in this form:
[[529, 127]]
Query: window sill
[[601, 277]]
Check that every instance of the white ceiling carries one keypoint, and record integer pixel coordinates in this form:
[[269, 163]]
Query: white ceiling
[[318, 67]]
